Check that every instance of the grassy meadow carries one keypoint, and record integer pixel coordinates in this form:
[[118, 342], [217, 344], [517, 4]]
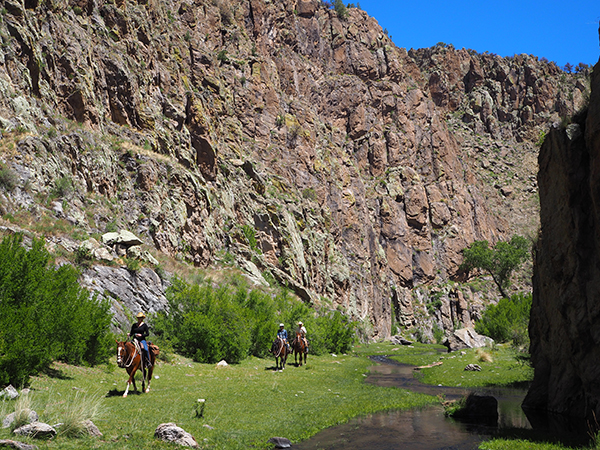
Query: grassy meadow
[[245, 404]]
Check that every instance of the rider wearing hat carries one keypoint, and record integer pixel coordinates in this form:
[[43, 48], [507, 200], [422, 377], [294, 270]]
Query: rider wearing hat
[[139, 332], [302, 332], [282, 334]]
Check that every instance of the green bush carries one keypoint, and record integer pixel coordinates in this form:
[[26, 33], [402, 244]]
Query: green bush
[[205, 324], [45, 315], [508, 320], [8, 178], [230, 322]]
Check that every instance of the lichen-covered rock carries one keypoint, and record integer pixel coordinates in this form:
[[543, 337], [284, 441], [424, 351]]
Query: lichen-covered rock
[[466, 338], [170, 432], [8, 443], [347, 168], [37, 430], [10, 418]]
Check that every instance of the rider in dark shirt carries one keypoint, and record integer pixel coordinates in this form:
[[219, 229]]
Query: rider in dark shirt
[[139, 332]]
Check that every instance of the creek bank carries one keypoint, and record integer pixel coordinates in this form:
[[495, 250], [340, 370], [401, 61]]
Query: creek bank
[[427, 428]]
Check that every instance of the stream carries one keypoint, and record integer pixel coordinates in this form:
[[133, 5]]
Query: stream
[[428, 428]]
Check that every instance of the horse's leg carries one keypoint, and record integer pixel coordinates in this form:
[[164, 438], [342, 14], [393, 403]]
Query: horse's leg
[[131, 378], [150, 370], [144, 378]]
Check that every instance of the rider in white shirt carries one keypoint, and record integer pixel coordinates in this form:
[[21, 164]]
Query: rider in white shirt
[[302, 332]]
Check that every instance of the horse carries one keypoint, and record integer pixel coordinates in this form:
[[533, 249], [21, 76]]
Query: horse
[[299, 346], [280, 351], [129, 357]]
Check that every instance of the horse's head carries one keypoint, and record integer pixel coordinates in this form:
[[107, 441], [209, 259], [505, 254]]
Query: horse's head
[[276, 344], [121, 353]]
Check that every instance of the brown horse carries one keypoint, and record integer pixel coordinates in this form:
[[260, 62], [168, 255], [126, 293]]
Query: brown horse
[[129, 357], [299, 346], [280, 351]]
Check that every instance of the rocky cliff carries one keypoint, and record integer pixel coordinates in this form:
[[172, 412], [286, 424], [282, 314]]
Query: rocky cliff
[[564, 326], [305, 149]]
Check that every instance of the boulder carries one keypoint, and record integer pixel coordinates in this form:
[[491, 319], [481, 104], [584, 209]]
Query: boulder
[[92, 429], [17, 445], [280, 442], [9, 392], [479, 408], [38, 430], [307, 8], [169, 432], [10, 419], [473, 368], [123, 237], [399, 340], [466, 338], [136, 251]]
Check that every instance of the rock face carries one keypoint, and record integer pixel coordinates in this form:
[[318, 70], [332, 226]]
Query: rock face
[[565, 325], [275, 135]]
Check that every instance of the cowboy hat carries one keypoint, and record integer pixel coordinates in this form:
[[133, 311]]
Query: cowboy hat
[[281, 325], [141, 315]]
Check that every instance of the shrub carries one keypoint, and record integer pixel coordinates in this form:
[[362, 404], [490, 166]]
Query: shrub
[[340, 9], [45, 315], [8, 178], [63, 187], [205, 324], [229, 322], [508, 320], [339, 332]]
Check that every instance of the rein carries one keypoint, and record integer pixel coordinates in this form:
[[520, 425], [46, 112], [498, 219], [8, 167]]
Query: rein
[[130, 362], [280, 348]]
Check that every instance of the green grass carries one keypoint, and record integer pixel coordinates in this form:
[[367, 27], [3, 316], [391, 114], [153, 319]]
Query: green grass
[[519, 444], [504, 369], [246, 404]]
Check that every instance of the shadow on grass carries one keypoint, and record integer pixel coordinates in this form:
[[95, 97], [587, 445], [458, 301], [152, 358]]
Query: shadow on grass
[[55, 373], [118, 393]]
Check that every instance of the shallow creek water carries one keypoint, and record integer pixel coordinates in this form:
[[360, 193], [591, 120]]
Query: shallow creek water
[[428, 428]]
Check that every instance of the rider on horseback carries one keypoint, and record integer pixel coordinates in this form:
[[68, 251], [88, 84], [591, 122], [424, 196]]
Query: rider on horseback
[[301, 331], [282, 334], [139, 332]]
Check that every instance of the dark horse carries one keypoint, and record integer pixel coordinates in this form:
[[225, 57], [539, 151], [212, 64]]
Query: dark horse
[[299, 346], [129, 357], [280, 351]]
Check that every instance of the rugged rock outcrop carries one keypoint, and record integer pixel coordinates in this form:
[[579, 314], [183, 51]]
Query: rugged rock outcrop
[[302, 147], [565, 325]]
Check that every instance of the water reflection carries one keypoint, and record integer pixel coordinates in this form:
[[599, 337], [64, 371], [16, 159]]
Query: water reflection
[[428, 429]]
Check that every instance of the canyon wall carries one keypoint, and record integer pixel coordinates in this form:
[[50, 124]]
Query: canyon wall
[[303, 148], [565, 316]]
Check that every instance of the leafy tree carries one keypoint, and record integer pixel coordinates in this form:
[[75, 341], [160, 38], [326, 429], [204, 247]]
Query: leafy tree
[[45, 315], [508, 320], [499, 261]]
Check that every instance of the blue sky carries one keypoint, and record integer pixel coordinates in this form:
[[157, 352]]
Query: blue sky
[[561, 31]]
